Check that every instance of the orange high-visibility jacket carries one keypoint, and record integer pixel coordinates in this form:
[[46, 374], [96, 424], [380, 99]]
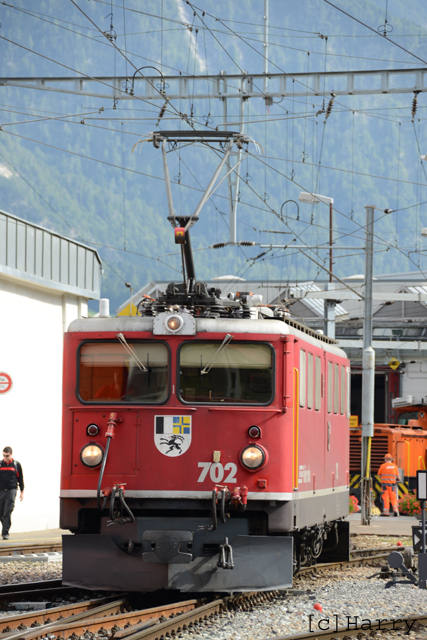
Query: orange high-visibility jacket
[[388, 473]]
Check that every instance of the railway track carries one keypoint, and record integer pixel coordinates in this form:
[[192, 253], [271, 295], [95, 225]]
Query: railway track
[[48, 591], [35, 547], [358, 556], [118, 618], [114, 619]]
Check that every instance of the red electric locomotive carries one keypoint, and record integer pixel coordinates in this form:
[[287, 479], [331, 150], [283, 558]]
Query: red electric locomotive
[[205, 444], [203, 449]]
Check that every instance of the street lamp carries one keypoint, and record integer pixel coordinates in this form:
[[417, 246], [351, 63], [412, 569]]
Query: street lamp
[[329, 305], [314, 198]]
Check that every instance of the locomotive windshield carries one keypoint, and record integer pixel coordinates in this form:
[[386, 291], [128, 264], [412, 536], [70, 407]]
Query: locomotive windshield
[[239, 373], [404, 418], [108, 373]]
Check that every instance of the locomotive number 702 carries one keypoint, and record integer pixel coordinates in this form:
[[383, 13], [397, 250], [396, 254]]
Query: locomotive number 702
[[216, 471]]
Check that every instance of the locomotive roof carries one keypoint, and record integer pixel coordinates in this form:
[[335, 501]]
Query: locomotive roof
[[285, 326]]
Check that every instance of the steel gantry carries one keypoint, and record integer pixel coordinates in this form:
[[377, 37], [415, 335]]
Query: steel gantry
[[244, 85], [223, 87]]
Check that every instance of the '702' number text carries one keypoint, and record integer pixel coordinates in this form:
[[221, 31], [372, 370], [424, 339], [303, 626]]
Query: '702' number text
[[217, 471]]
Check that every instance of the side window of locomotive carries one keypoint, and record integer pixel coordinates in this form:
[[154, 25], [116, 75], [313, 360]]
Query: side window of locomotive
[[302, 378], [348, 392], [109, 373], [318, 384], [343, 376], [336, 388], [310, 388], [238, 373], [330, 386], [405, 417]]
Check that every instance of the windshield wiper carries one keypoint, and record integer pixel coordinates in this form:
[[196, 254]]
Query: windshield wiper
[[222, 346], [120, 337]]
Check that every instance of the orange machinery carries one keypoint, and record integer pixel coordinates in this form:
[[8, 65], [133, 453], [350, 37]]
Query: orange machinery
[[406, 441]]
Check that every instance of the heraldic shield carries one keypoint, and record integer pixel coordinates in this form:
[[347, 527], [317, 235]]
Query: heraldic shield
[[172, 434]]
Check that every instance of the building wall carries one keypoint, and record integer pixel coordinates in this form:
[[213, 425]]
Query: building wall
[[414, 380], [32, 322]]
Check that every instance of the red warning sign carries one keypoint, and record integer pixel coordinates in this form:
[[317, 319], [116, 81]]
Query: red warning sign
[[5, 382]]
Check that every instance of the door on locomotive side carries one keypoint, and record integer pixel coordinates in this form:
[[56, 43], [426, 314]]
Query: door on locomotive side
[[309, 407], [337, 423]]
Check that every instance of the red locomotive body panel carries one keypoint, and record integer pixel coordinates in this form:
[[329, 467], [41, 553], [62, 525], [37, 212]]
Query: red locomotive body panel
[[136, 460], [277, 400]]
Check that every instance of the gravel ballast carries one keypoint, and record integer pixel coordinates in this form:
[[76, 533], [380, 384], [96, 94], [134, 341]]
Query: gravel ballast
[[15, 572], [343, 595], [346, 594]]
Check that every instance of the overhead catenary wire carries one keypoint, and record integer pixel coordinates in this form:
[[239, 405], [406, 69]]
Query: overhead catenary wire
[[280, 218], [88, 76], [368, 27], [34, 14], [130, 62], [250, 205], [183, 25], [17, 44], [75, 232], [344, 215], [184, 185], [111, 43], [250, 46], [54, 211], [192, 5], [115, 165]]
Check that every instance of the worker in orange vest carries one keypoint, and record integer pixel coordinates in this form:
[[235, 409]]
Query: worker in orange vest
[[389, 475]]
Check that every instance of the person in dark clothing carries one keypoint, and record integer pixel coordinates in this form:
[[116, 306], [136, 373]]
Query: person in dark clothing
[[10, 478]]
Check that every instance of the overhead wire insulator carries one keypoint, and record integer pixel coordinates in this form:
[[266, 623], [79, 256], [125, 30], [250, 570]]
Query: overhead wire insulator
[[162, 112], [330, 105], [241, 243], [259, 256], [414, 104]]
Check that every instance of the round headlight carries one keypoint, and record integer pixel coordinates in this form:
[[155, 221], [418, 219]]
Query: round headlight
[[253, 457], [174, 324], [91, 455]]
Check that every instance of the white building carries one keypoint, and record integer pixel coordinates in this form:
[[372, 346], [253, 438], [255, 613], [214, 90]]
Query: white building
[[45, 283]]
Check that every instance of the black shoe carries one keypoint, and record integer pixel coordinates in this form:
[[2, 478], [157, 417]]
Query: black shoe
[[5, 536], [385, 515], [396, 514]]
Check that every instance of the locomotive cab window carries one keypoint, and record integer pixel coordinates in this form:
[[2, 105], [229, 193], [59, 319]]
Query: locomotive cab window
[[109, 373], [404, 418], [237, 373]]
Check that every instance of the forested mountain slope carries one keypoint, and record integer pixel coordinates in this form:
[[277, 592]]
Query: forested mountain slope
[[66, 161]]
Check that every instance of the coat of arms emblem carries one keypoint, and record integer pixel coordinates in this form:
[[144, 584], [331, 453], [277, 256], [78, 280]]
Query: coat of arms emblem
[[172, 434]]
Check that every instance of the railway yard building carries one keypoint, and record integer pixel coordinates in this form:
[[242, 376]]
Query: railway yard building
[[45, 282]]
